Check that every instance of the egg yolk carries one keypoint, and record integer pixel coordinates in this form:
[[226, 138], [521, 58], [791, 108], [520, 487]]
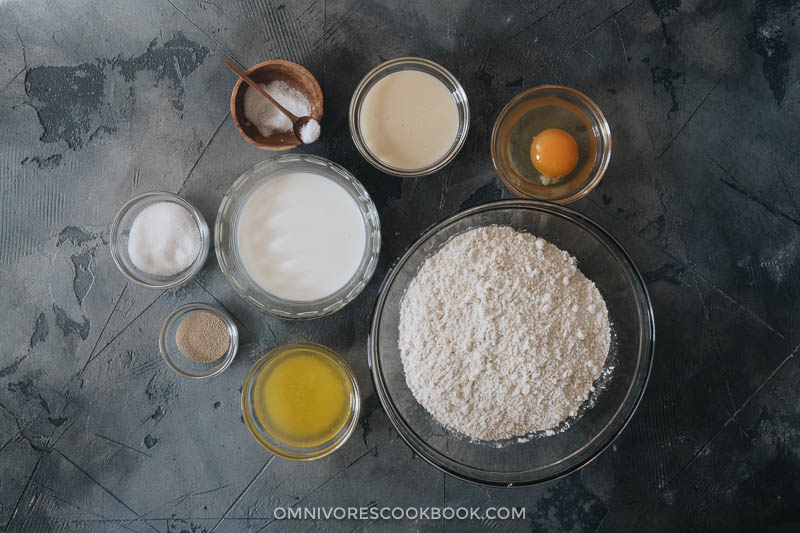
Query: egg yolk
[[554, 153]]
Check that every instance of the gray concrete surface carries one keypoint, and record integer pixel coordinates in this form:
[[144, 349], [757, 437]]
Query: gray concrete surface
[[100, 101]]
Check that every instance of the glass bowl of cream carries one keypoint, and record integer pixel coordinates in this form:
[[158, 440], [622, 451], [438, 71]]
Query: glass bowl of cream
[[409, 117], [297, 236]]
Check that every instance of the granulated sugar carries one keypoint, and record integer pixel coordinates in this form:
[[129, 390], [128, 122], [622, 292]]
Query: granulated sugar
[[164, 239], [501, 335]]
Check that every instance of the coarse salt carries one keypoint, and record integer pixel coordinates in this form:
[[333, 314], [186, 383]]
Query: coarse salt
[[310, 131], [268, 118]]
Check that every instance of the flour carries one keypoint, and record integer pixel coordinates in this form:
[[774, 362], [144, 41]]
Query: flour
[[501, 335]]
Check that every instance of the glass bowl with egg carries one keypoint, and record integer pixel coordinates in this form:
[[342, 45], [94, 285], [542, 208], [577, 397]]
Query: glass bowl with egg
[[551, 143], [409, 117], [297, 236], [545, 455]]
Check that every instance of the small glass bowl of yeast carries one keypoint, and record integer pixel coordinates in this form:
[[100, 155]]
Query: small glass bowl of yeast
[[550, 108], [297, 236], [409, 117], [121, 231], [182, 364], [306, 429]]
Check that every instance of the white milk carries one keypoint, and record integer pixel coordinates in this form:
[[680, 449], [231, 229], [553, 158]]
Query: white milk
[[409, 119], [301, 236]]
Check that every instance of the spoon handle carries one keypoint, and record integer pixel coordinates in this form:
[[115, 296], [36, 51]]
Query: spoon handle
[[249, 81]]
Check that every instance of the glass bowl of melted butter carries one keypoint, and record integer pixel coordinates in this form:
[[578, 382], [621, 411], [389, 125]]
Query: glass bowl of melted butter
[[301, 401], [551, 143]]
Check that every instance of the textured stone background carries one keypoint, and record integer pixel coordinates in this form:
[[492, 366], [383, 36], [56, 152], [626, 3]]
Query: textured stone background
[[100, 101]]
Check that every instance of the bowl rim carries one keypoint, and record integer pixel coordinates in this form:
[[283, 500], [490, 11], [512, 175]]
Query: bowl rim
[[171, 282], [642, 375], [233, 343], [605, 133], [316, 114], [372, 227], [328, 447], [361, 91]]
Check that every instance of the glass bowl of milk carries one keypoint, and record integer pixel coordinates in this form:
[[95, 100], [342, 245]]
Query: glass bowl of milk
[[297, 236], [409, 117]]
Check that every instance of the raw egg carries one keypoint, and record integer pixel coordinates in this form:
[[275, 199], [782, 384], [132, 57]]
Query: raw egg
[[554, 153]]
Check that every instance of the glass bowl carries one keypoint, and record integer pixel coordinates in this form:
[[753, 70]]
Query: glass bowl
[[550, 106], [120, 231], [422, 65], [182, 365], [273, 445], [225, 239], [545, 456]]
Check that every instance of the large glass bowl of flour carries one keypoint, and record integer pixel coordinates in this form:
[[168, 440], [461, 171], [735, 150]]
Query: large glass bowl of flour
[[546, 455]]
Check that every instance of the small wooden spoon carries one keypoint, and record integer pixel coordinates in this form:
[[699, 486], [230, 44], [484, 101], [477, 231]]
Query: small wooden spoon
[[297, 122]]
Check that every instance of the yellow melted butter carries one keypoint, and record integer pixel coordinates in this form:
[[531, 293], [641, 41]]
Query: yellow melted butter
[[302, 398]]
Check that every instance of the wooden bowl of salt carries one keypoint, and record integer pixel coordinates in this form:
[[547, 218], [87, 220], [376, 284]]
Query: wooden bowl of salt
[[295, 77]]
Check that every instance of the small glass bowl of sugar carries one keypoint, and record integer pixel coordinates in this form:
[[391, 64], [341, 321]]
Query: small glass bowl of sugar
[[159, 240]]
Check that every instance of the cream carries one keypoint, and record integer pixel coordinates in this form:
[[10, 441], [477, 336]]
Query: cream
[[409, 119]]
